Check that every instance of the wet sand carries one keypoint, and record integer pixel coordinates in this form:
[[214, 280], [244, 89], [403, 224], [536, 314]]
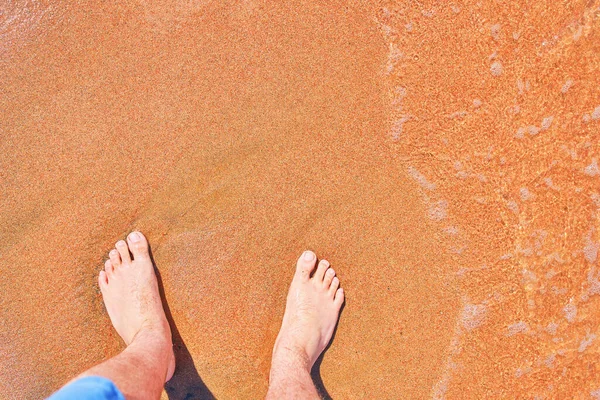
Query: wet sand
[[443, 158]]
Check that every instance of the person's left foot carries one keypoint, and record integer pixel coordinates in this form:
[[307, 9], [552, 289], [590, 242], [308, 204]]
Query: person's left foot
[[130, 292]]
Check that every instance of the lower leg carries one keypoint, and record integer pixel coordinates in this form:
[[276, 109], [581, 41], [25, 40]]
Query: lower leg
[[311, 314], [140, 370], [290, 375]]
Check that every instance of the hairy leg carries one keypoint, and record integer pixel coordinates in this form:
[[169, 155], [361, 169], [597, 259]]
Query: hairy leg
[[139, 371]]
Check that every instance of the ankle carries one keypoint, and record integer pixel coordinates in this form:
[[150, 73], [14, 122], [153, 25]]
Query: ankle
[[155, 345], [159, 333]]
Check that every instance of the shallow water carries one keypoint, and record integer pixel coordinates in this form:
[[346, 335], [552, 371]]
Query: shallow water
[[443, 158]]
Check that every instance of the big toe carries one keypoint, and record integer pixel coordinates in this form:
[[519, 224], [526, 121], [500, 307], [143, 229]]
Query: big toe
[[138, 245], [306, 264]]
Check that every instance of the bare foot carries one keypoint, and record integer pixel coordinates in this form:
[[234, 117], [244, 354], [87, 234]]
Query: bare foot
[[311, 312], [130, 292]]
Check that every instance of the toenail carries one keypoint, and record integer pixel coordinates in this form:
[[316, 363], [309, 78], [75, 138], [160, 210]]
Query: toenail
[[134, 236], [113, 252], [121, 243], [330, 271], [309, 255]]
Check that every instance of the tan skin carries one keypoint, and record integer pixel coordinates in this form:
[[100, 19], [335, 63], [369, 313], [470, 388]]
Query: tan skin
[[130, 291]]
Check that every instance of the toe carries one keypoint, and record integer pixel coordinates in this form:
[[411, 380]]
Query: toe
[[123, 251], [109, 267], [335, 284], [115, 258], [328, 278], [320, 273], [339, 297], [138, 245], [102, 279], [306, 264]]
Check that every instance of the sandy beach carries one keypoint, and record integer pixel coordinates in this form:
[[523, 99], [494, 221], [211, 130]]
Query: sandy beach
[[443, 156]]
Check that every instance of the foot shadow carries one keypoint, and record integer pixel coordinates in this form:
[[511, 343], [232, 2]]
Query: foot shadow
[[315, 373], [186, 383]]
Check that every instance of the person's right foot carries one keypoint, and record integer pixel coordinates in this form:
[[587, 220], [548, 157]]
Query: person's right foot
[[312, 310]]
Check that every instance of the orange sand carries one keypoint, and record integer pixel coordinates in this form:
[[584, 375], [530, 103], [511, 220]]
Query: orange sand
[[442, 156]]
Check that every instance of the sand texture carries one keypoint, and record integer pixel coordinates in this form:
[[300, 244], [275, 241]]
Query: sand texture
[[443, 156]]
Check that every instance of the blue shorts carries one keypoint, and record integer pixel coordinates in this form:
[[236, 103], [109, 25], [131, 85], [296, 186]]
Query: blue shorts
[[89, 388]]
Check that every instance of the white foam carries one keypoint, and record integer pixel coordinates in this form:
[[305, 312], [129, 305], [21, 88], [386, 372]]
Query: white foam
[[477, 103], [515, 109], [525, 194], [552, 327], [546, 122], [397, 127], [585, 343], [438, 210], [590, 250], [394, 56], [387, 30], [570, 311], [495, 31], [529, 277], [472, 316], [496, 68], [520, 86], [522, 371], [596, 199], [457, 250], [596, 113], [592, 169], [480, 199], [420, 178], [558, 291], [451, 230], [567, 86], [527, 251], [578, 33], [400, 93], [458, 114], [555, 257], [517, 327], [548, 181]]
